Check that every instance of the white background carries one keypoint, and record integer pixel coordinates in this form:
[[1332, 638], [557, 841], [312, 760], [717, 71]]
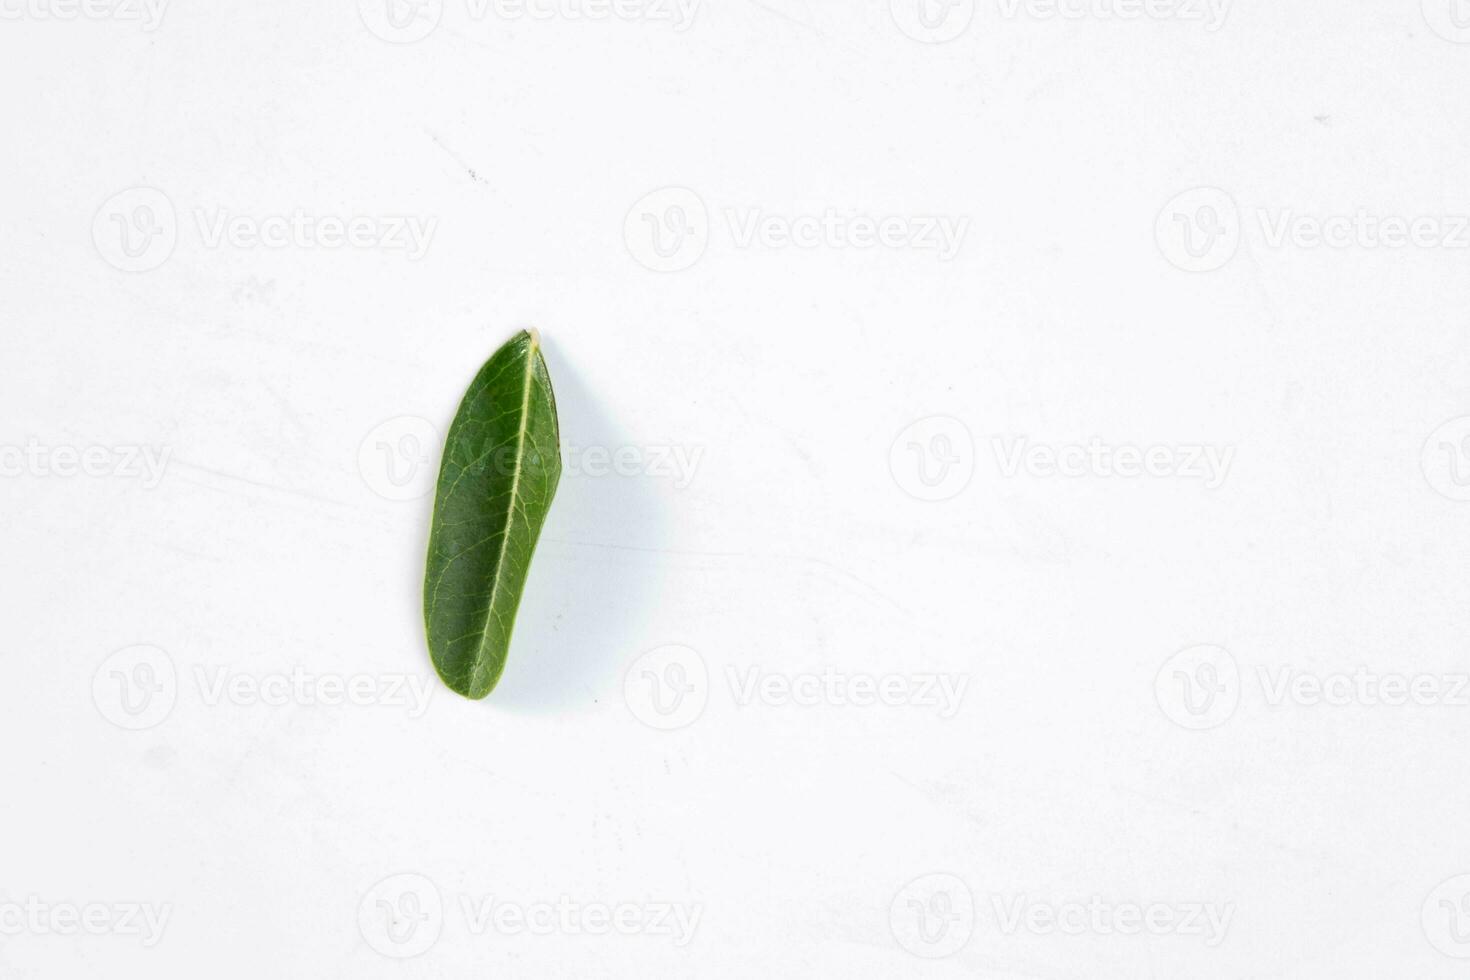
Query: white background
[[1330, 834]]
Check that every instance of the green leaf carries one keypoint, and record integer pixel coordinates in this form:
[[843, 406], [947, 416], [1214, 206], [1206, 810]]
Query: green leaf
[[502, 461]]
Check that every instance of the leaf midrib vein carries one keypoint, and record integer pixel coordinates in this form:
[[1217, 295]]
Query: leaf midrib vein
[[510, 513]]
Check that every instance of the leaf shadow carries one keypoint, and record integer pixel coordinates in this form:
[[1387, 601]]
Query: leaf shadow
[[595, 572]]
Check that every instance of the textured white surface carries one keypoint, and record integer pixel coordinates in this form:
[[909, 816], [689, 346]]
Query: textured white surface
[[1083, 232]]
